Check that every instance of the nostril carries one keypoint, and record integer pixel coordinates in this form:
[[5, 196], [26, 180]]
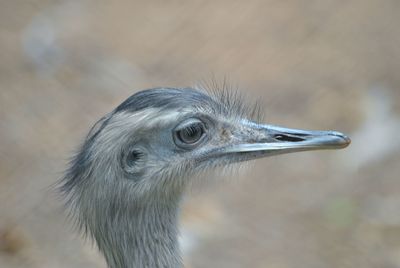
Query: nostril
[[282, 137]]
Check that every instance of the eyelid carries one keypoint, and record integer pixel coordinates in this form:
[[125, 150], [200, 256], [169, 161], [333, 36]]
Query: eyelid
[[190, 122]]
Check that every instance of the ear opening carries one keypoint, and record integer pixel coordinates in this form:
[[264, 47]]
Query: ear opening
[[133, 160]]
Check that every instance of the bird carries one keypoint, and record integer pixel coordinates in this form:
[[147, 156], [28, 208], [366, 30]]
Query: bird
[[124, 186]]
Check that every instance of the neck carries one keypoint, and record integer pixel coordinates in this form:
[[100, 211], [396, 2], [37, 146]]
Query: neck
[[141, 236]]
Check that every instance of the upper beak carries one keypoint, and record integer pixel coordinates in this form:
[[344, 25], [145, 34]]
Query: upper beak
[[265, 140]]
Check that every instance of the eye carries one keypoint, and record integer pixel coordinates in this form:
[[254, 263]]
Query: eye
[[189, 133]]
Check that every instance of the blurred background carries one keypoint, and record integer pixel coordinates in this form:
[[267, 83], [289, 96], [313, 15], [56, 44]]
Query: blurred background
[[330, 64]]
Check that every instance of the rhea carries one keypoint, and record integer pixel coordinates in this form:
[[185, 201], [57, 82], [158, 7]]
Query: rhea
[[125, 184]]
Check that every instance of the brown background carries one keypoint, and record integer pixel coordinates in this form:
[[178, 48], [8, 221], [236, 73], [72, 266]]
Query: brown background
[[314, 64]]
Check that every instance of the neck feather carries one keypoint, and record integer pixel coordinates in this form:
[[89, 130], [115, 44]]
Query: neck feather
[[143, 236]]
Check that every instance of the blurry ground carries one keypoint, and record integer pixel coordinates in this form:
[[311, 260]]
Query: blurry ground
[[315, 64]]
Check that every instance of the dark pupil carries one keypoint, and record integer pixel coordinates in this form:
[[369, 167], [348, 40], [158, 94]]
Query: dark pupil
[[191, 134]]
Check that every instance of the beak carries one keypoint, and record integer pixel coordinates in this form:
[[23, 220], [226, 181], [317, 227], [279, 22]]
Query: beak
[[265, 140]]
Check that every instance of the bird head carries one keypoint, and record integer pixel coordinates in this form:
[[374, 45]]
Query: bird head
[[151, 145]]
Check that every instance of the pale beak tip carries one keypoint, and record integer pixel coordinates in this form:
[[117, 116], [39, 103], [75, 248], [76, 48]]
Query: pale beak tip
[[344, 140]]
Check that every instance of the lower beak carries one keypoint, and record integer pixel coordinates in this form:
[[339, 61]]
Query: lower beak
[[272, 140]]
